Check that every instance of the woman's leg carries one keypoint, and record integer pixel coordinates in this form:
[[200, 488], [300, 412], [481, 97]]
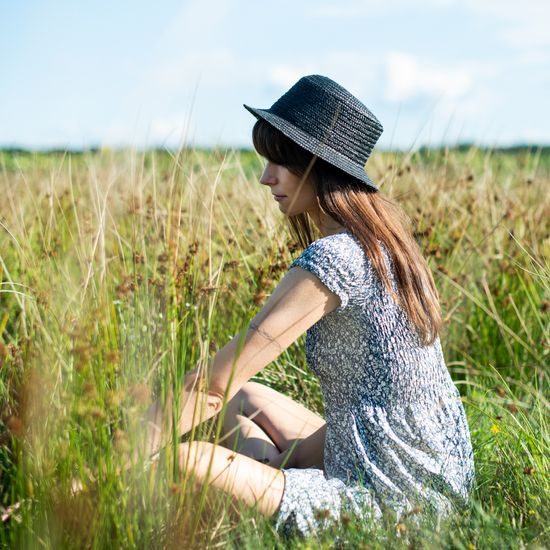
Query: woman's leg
[[246, 479], [262, 423]]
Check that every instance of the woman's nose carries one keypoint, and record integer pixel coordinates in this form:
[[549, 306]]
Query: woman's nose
[[268, 175]]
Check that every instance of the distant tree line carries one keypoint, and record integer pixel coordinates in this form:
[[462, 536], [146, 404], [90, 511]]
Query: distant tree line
[[461, 147]]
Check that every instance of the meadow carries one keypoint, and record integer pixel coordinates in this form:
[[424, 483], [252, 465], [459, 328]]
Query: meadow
[[122, 270]]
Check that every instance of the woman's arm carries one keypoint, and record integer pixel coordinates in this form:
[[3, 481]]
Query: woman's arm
[[297, 303]]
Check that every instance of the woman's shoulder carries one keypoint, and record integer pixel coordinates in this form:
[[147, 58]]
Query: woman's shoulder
[[338, 248], [342, 241], [345, 247], [339, 262]]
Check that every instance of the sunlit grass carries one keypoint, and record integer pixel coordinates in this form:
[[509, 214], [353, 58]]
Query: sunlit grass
[[121, 271]]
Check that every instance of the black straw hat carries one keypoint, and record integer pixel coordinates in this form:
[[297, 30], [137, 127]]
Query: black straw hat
[[325, 119]]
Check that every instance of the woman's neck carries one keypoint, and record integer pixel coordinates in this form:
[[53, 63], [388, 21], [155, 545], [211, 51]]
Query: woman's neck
[[326, 225]]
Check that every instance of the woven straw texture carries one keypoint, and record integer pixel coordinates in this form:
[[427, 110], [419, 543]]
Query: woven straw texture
[[325, 119]]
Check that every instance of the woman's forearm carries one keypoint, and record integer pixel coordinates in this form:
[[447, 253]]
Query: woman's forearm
[[196, 404], [224, 375]]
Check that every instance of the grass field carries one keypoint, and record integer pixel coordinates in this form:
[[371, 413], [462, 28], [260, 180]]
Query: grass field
[[120, 271]]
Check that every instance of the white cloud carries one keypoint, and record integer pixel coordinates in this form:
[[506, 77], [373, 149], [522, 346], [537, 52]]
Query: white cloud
[[195, 68], [154, 129], [409, 77], [521, 24], [357, 71], [187, 60], [526, 22]]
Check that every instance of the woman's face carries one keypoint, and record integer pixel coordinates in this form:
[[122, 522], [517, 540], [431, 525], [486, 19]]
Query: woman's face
[[294, 194]]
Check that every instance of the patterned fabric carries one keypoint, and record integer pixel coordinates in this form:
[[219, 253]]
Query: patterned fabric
[[397, 435]]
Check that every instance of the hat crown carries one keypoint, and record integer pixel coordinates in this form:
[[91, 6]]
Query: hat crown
[[325, 119], [325, 110]]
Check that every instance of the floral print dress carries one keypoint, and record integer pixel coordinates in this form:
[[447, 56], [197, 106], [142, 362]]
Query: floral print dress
[[397, 435]]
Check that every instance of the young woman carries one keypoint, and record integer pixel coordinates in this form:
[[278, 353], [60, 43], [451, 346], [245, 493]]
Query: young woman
[[395, 434]]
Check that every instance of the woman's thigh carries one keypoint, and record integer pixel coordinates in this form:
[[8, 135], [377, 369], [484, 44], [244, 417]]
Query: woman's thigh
[[283, 419], [244, 478]]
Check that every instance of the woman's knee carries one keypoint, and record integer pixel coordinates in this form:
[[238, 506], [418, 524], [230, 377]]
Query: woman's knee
[[254, 394], [240, 403], [192, 454]]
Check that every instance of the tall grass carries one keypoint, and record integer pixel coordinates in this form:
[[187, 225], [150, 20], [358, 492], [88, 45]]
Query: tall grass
[[121, 271]]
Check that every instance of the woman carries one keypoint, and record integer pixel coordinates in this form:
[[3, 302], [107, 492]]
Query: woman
[[395, 434]]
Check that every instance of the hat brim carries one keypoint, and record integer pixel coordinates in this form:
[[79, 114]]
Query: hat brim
[[313, 145]]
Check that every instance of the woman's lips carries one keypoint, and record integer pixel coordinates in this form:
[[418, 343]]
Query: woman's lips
[[279, 197]]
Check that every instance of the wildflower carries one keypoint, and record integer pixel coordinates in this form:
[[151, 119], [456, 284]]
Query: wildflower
[[401, 528], [293, 247], [345, 519], [495, 429], [120, 440], [414, 511], [140, 393], [15, 426], [89, 389], [114, 398], [96, 412], [231, 264], [138, 258], [9, 512], [322, 514], [3, 353], [259, 297], [207, 289], [112, 357], [512, 408]]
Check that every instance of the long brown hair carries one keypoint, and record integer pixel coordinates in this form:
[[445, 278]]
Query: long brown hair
[[371, 217]]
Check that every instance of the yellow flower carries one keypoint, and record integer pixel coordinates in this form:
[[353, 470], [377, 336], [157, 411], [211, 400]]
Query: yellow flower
[[495, 429], [471, 546]]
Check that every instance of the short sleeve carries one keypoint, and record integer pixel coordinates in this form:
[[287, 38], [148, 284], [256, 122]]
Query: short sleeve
[[338, 262]]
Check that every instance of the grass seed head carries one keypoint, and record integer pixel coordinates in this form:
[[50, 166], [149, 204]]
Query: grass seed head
[[16, 426]]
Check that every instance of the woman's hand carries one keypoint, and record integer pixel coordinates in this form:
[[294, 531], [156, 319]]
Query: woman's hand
[[155, 427]]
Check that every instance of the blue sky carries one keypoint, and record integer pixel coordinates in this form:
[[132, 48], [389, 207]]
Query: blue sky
[[136, 73]]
